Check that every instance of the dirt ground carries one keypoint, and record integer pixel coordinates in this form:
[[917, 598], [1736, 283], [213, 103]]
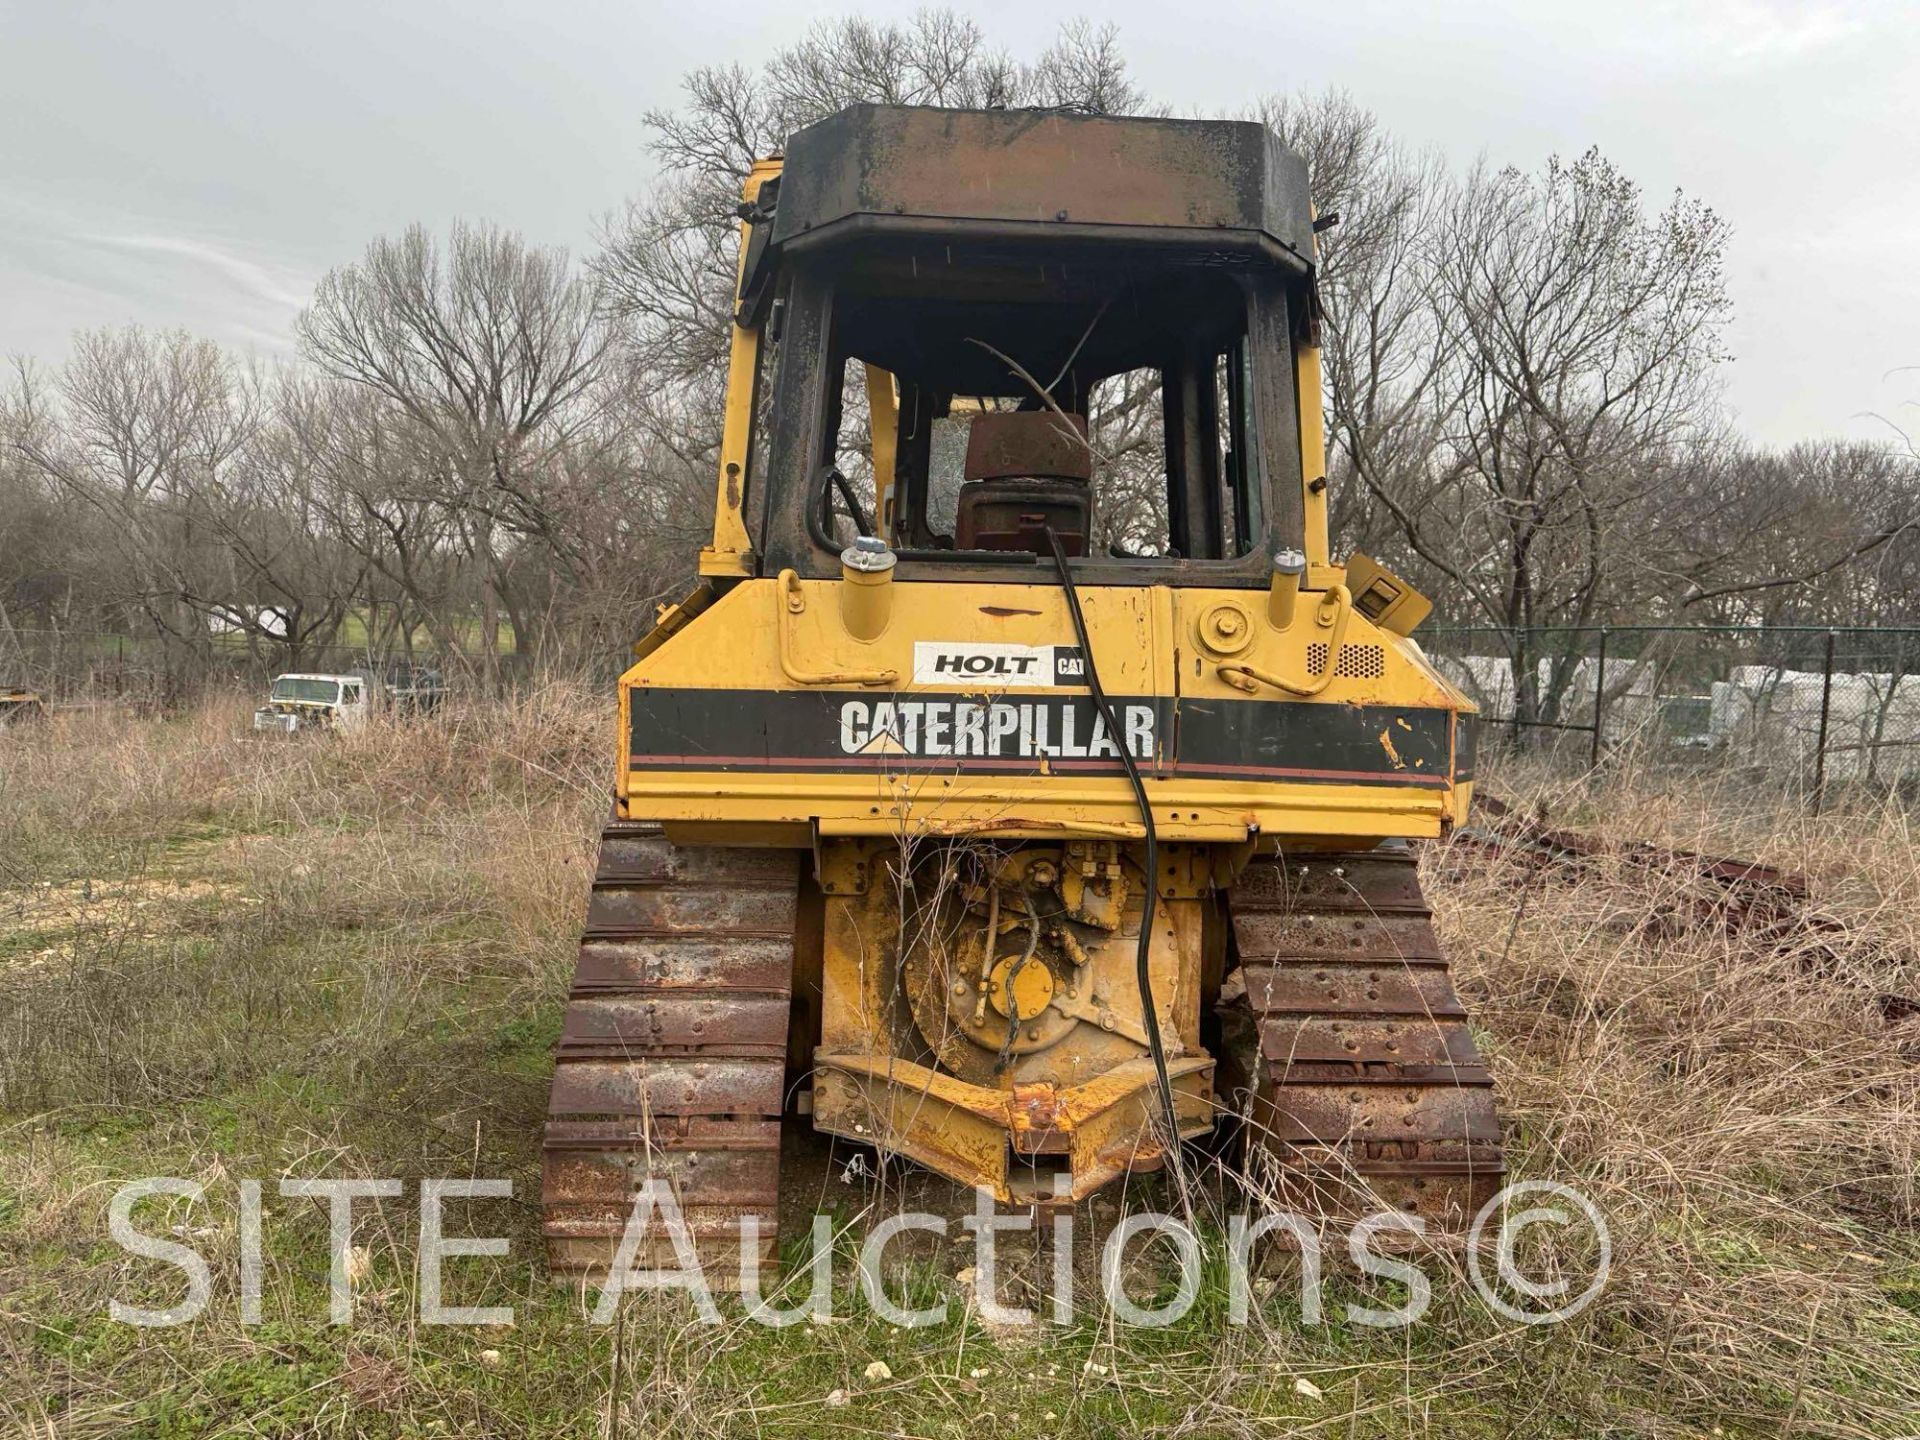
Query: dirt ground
[[223, 959]]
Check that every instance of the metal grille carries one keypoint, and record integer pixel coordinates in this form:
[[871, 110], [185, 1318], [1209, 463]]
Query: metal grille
[[1357, 662]]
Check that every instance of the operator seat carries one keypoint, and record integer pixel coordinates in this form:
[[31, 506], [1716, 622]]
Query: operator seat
[[1026, 471]]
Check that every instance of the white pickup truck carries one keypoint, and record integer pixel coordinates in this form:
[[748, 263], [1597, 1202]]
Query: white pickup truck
[[344, 701], [318, 702]]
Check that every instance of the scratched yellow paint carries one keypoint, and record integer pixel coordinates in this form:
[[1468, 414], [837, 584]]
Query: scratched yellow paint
[[1146, 642], [1149, 641]]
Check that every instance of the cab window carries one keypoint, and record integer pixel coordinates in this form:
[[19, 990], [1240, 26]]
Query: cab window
[[1111, 408]]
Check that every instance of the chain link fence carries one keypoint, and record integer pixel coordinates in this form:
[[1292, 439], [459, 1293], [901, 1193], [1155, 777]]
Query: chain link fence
[[1809, 706], [75, 667]]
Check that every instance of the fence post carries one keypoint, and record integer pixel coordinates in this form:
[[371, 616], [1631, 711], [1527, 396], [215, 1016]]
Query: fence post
[[1515, 653], [1826, 709], [1599, 701]]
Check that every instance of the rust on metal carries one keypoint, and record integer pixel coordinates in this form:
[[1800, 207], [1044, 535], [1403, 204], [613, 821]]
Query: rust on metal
[[650, 1086], [1389, 988], [1028, 444], [671, 1061], [1352, 1064], [1366, 1039], [1763, 904], [683, 962], [906, 170], [621, 1025], [1325, 885], [642, 908], [1399, 939]]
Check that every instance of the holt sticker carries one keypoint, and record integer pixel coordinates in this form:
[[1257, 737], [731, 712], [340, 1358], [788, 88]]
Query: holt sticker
[[988, 665]]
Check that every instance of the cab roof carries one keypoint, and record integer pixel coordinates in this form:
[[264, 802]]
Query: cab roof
[[919, 171]]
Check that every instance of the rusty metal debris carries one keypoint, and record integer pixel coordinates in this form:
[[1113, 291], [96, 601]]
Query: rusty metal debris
[[1766, 906]]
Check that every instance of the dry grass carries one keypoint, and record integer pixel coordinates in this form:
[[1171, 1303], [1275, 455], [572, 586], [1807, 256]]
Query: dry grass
[[1745, 1114], [222, 957]]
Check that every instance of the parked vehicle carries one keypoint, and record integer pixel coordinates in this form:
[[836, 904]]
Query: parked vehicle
[[319, 702], [413, 688], [19, 705]]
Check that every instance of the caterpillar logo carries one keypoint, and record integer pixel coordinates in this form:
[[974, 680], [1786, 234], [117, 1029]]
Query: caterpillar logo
[[991, 666], [1067, 728], [974, 724]]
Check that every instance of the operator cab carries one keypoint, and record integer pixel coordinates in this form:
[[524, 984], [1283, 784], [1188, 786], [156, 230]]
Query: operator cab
[[983, 329]]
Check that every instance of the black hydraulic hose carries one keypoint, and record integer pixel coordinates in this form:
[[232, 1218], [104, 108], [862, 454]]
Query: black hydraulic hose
[[854, 512], [1013, 974], [1143, 973], [822, 501]]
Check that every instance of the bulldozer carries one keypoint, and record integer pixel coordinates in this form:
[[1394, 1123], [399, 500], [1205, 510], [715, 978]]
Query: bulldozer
[[1024, 790]]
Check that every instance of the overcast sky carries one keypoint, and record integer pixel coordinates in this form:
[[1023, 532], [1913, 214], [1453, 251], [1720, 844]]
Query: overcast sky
[[185, 162]]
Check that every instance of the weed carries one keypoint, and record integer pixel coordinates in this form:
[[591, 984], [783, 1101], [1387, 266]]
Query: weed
[[223, 957]]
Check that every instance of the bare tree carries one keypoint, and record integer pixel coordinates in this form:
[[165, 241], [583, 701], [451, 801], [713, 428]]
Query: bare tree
[[40, 549], [495, 349], [1821, 533], [276, 571], [667, 264], [139, 422], [1512, 361]]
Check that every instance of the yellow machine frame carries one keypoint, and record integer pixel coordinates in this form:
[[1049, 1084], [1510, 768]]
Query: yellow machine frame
[[1306, 653]]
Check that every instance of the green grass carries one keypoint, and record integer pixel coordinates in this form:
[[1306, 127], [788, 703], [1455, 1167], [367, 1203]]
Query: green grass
[[355, 634], [17, 944], [385, 1007]]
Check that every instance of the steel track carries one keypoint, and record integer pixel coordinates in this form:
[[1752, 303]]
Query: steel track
[[671, 1063], [1348, 1053]]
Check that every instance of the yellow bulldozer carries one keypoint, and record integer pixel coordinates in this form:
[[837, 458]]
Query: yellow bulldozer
[[1024, 790]]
